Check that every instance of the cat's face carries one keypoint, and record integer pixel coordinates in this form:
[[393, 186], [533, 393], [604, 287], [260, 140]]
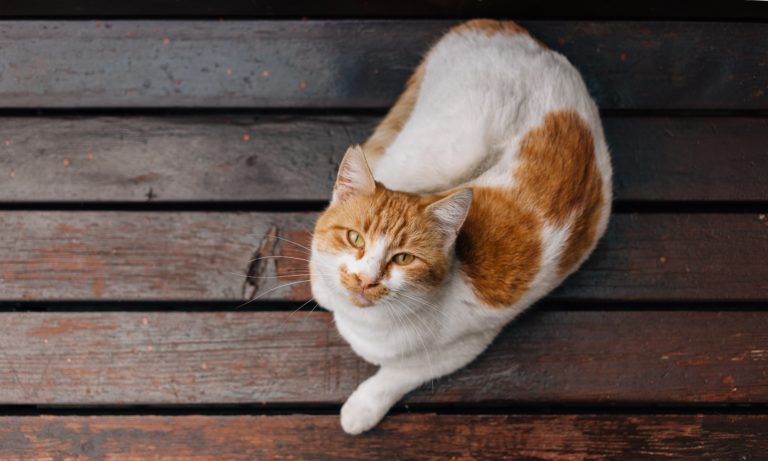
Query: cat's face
[[374, 245]]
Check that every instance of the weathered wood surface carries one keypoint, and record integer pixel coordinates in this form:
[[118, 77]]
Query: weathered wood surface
[[205, 256], [685, 9], [627, 65], [294, 157], [404, 436], [279, 357], [159, 255]]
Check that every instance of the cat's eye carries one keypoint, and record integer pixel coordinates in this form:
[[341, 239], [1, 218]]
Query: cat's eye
[[355, 239], [402, 259]]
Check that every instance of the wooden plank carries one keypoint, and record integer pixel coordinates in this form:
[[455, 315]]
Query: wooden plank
[[685, 9], [294, 157], [205, 256], [682, 257], [407, 436], [627, 65], [583, 357], [682, 159], [182, 256], [217, 157]]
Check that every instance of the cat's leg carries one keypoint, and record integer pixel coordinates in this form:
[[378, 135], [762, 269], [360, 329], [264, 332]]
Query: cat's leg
[[376, 395]]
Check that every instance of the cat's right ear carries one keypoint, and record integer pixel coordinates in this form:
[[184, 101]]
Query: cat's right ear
[[449, 214], [354, 176]]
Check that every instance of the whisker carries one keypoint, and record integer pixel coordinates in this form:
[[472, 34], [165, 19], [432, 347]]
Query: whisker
[[278, 256], [267, 276], [403, 327], [291, 241], [299, 308], [415, 314], [271, 290], [434, 308], [423, 344], [309, 313]]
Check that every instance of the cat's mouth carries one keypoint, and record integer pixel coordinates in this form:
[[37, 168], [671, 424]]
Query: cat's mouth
[[359, 296], [359, 299]]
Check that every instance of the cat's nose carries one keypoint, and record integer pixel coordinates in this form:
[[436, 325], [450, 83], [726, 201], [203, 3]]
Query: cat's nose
[[365, 281]]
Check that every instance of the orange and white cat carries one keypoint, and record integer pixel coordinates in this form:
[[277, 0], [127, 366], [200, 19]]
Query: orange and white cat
[[485, 186]]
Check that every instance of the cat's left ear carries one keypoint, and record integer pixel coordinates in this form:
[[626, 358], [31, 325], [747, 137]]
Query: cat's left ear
[[354, 176], [449, 214]]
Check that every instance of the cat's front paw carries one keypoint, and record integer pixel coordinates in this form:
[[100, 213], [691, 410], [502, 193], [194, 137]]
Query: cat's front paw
[[360, 413]]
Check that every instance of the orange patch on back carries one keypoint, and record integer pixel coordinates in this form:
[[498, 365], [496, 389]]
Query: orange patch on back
[[499, 246], [490, 27], [558, 174], [583, 235]]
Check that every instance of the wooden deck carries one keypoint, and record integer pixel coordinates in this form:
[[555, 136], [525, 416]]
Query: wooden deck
[[146, 161]]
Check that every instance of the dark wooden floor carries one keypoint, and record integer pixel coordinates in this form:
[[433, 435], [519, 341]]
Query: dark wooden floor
[[146, 160]]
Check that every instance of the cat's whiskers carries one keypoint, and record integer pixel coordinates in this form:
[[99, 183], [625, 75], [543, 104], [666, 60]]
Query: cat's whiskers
[[302, 274], [414, 313], [271, 290], [399, 324], [423, 344], [276, 257], [388, 310], [299, 308], [411, 311], [309, 314], [278, 287], [286, 274], [433, 307], [291, 241]]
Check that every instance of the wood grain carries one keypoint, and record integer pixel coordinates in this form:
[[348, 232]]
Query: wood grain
[[407, 436], [112, 255], [233, 157], [654, 9], [363, 64], [278, 357], [205, 256]]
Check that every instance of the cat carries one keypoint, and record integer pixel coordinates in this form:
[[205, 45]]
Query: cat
[[484, 187]]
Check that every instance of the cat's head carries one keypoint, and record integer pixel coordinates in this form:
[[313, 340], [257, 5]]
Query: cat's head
[[376, 245]]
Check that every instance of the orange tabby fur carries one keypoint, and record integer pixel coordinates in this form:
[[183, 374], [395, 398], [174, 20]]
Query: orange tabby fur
[[559, 175], [498, 246], [490, 27]]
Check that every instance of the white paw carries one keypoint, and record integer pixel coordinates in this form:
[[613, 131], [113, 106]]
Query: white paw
[[360, 413]]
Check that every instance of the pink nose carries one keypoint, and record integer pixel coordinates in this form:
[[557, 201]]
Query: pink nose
[[365, 282]]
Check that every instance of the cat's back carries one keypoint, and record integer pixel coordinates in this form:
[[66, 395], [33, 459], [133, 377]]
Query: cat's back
[[487, 67], [480, 88]]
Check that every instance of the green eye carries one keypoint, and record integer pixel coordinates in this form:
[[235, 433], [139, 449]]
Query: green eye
[[403, 259], [355, 239]]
